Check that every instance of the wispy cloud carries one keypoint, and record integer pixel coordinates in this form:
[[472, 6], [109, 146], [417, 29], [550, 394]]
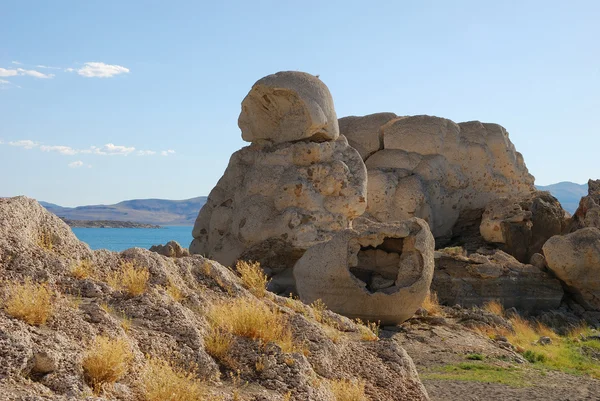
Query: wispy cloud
[[78, 164], [4, 72], [109, 149], [26, 143], [16, 63], [48, 67], [95, 69]]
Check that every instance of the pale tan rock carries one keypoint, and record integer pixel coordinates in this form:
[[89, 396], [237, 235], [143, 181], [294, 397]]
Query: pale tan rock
[[339, 272], [575, 259], [365, 134], [288, 106], [435, 169], [588, 212]]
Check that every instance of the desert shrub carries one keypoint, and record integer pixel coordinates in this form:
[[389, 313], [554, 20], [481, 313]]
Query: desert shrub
[[131, 279], [533, 356], [106, 362], [30, 302], [348, 390], [174, 292], [494, 307], [162, 381], [253, 319], [217, 343], [432, 304], [475, 357], [253, 277], [45, 240], [369, 331], [83, 269]]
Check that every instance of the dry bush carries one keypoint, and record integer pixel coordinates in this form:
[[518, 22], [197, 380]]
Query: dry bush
[[253, 319], [253, 277], [30, 302], [369, 331], [131, 279], [348, 390], [106, 362], [162, 381], [217, 343], [494, 307], [174, 292], [432, 304], [45, 240], [83, 269]]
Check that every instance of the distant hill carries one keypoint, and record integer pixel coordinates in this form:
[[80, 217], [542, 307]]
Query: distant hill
[[150, 211], [568, 193]]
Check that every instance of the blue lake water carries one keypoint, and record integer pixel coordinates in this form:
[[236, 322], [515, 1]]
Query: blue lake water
[[119, 239]]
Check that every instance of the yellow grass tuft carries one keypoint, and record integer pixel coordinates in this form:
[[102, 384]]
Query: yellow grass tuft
[[217, 343], [369, 331], [162, 381], [29, 302], [432, 304], [348, 390], [174, 292], [494, 307], [249, 318], [131, 279], [83, 269], [106, 362], [45, 240], [253, 277]]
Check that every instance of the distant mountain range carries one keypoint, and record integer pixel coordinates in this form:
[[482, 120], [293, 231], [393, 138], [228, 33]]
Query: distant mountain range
[[567, 193], [183, 212], [150, 211]]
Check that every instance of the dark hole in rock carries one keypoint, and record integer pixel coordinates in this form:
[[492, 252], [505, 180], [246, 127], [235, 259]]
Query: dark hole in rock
[[378, 266]]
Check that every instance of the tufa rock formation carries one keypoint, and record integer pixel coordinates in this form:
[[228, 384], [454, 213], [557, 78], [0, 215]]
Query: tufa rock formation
[[588, 212], [433, 168], [46, 362], [376, 272], [297, 184], [171, 249], [575, 259]]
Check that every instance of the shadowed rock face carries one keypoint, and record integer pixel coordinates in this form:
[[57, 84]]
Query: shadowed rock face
[[376, 272], [588, 212], [477, 279], [575, 259], [433, 168], [294, 186]]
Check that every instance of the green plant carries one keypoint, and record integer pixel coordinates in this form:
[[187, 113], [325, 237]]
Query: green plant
[[475, 357]]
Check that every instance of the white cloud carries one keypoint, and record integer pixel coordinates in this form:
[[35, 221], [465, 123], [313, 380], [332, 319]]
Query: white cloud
[[167, 152], [69, 69], [3, 81], [101, 70], [20, 71], [48, 68], [8, 73], [26, 143], [76, 164], [110, 149], [145, 152], [63, 150], [17, 63]]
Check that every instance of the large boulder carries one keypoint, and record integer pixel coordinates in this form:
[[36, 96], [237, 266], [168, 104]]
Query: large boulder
[[477, 279], [297, 184], [375, 272], [588, 212], [288, 106], [433, 168], [522, 226], [575, 259]]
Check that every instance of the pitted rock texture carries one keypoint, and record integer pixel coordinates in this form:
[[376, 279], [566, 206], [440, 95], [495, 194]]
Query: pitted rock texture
[[375, 272], [522, 226], [171, 249], [288, 106], [433, 168], [575, 259], [588, 212], [46, 362], [477, 279]]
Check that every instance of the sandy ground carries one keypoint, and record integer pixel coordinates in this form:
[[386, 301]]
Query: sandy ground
[[433, 346]]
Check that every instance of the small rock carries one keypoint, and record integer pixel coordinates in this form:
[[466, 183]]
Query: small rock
[[379, 283], [43, 363], [544, 340], [538, 260]]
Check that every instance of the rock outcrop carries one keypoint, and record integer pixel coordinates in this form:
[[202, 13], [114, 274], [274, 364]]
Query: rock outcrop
[[46, 362], [477, 279], [376, 272], [522, 226], [297, 184], [575, 259], [588, 212], [433, 168], [171, 249]]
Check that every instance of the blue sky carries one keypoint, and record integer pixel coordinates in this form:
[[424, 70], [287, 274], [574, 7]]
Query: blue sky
[[129, 78]]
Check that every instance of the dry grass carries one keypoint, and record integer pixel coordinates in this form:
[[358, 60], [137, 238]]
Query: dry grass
[[106, 362], [83, 269], [30, 302], [174, 292], [432, 304], [369, 331], [253, 277], [45, 241], [249, 318], [494, 307], [348, 390], [131, 279], [162, 381], [217, 343]]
